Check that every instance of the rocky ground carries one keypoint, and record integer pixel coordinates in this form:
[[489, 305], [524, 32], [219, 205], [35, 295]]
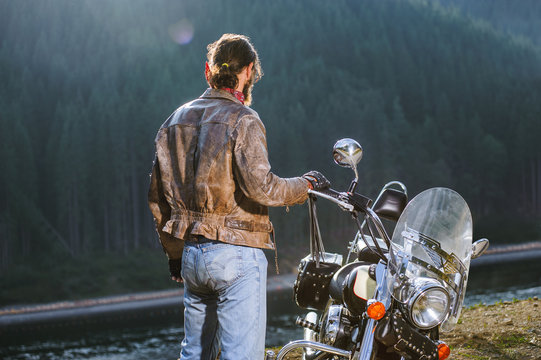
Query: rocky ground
[[508, 330], [505, 330]]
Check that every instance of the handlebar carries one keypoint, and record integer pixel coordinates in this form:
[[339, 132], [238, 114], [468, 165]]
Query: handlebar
[[348, 201], [339, 198], [353, 202]]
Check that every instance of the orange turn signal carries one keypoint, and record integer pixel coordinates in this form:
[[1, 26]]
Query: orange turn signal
[[376, 310], [443, 351]]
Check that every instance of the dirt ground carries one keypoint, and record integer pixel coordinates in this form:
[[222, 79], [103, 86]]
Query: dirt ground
[[505, 330], [508, 330]]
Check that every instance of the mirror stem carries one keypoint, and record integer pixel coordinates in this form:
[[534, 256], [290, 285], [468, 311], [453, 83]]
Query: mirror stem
[[352, 186], [355, 181]]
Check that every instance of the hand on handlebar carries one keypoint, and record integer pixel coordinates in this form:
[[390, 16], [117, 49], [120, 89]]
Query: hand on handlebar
[[316, 180]]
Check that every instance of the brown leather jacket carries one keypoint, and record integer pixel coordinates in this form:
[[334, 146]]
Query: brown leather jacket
[[211, 176]]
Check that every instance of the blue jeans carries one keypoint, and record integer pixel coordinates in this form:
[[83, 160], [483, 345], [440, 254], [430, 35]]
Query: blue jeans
[[224, 301]]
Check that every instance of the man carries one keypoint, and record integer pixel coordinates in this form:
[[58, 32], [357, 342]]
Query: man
[[210, 187]]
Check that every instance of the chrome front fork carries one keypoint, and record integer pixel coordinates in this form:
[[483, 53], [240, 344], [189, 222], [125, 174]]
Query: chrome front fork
[[382, 295]]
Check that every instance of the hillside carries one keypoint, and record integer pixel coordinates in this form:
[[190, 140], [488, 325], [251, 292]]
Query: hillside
[[523, 20], [436, 98]]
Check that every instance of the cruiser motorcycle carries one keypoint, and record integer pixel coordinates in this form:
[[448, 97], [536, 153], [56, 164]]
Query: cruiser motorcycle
[[393, 295]]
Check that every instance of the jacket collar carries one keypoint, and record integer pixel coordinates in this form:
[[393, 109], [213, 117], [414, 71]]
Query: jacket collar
[[211, 93]]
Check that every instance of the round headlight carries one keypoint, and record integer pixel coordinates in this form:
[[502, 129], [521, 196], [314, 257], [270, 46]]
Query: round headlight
[[429, 306]]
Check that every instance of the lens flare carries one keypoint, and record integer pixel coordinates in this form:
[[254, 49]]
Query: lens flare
[[181, 32]]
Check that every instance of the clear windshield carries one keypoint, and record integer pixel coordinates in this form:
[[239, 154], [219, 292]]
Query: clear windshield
[[433, 239]]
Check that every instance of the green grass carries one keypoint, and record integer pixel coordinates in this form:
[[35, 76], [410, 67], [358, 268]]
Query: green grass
[[473, 357], [475, 306], [507, 341]]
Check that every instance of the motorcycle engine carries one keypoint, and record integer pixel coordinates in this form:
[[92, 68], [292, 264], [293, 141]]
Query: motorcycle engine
[[336, 327]]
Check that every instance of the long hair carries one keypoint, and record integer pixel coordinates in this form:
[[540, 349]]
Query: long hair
[[227, 57]]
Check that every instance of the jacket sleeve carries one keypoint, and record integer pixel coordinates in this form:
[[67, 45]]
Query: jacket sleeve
[[162, 213], [253, 171]]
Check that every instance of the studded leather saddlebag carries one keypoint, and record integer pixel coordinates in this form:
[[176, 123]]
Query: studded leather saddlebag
[[311, 288]]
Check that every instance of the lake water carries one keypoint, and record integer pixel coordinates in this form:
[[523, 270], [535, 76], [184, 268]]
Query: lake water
[[487, 284]]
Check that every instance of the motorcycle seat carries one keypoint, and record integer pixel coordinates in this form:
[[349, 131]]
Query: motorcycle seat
[[390, 204]]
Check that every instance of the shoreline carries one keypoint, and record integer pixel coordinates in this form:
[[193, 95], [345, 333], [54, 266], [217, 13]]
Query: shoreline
[[154, 306]]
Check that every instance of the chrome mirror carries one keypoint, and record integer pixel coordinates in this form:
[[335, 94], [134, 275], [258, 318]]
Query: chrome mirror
[[479, 247], [347, 153]]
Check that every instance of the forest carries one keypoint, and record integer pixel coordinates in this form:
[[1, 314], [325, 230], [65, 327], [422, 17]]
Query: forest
[[438, 93]]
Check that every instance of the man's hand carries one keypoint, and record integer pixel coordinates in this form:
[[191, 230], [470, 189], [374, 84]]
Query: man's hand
[[316, 180], [174, 269]]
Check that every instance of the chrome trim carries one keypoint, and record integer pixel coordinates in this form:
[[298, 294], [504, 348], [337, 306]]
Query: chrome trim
[[344, 205], [420, 291], [310, 335], [331, 327], [379, 226], [452, 262], [347, 153], [479, 247], [456, 288], [449, 263], [298, 344], [382, 295]]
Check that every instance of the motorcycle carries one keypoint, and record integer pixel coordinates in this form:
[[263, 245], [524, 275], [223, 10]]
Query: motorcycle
[[393, 295]]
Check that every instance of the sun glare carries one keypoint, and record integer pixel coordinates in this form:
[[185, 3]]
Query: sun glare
[[181, 32]]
